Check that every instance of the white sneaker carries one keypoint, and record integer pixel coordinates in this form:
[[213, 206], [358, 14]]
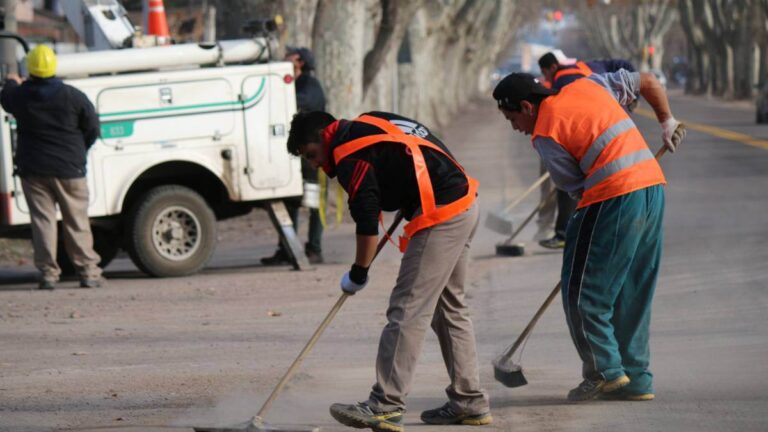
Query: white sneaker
[[543, 233]]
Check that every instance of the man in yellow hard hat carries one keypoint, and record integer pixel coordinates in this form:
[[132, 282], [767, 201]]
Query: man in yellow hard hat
[[56, 125]]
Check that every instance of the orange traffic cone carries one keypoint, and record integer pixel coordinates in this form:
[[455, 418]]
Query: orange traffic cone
[[157, 24]]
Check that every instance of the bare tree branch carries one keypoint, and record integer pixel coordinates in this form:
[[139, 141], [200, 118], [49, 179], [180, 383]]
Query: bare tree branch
[[375, 57]]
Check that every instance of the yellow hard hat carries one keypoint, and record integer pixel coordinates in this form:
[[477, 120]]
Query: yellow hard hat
[[41, 62]]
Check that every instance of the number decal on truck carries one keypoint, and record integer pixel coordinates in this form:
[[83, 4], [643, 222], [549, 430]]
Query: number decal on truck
[[120, 129]]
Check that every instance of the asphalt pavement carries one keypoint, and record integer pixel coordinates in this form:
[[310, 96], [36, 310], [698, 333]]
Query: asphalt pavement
[[208, 348]]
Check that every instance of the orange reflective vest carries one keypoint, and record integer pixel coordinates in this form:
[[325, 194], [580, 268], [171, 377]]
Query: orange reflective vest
[[587, 121], [431, 214], [578, 68]]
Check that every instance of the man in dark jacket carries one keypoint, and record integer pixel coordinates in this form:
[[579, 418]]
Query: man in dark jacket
[[386, 162], [309, 97], [56, 125]]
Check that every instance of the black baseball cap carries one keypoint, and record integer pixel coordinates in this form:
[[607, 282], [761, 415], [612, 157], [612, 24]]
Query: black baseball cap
[[517, 87]]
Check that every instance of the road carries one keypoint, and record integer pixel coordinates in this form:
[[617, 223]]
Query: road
[[206, 349]]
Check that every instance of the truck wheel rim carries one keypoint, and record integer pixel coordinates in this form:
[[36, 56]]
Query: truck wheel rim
[[176, 233]]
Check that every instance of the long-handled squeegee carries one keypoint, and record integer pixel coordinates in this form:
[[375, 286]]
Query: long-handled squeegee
[[256, 424]]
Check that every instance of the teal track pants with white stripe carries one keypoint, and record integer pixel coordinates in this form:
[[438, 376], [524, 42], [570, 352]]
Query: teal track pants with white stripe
[[610, 266]]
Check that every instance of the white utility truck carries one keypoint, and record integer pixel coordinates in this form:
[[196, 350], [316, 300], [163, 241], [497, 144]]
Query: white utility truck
[[190, 134]]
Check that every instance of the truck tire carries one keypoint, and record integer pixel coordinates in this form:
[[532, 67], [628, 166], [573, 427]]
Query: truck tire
[[171, 231], [105, 243]]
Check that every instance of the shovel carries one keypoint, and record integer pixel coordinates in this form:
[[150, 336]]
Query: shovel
[[500, 221], [256, 424]]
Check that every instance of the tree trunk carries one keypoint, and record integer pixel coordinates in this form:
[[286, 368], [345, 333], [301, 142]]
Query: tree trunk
[[338, 42], [299, 16], [8, 46]]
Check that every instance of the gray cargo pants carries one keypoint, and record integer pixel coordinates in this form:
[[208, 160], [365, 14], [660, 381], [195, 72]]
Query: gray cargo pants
[[42, 194], [546, 219], [430, 288]]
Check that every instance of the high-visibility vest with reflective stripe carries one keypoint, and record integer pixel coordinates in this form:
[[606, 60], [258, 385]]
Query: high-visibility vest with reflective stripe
[[578, 68], [587, 121], [431, 215]]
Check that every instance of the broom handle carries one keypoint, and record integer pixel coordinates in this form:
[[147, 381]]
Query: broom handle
[[313, 340], [538, 208], [530, 216], [552, 295], [533, 187], [511, 351]]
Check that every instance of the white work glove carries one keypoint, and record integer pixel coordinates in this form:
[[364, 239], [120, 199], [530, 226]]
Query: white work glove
[[350, 286], [671, 135]]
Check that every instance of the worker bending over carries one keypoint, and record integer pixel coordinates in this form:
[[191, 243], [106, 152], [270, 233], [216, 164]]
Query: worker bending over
[[558, 76], [385, 163], [593, 150]]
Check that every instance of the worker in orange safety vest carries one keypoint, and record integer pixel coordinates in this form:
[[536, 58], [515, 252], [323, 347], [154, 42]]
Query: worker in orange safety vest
[[386, 162], [557, 76], [593, 150]]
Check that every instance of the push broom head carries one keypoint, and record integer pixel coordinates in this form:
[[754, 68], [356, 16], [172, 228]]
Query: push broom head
[[508, 372]]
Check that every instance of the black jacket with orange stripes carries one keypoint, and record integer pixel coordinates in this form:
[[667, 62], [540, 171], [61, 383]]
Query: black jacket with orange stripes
[[382, 177]]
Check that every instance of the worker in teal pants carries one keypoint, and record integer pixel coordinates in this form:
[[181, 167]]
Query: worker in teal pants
[[594, 151], [609, 322]]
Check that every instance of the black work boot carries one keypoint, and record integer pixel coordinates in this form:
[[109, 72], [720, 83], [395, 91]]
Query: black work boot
[[591, 388], [92, 283], [46, 284], [361, 416], [314, 257], [445, 415], [279, 258]]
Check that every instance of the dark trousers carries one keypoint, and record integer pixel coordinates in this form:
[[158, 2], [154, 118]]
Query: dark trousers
[[565, 208], [315, 237]]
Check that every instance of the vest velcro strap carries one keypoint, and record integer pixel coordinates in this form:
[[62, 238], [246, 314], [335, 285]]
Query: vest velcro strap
[[615, 166]]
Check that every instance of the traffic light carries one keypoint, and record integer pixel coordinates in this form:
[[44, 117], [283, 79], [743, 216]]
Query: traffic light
[[555, 16], [649, 51]]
